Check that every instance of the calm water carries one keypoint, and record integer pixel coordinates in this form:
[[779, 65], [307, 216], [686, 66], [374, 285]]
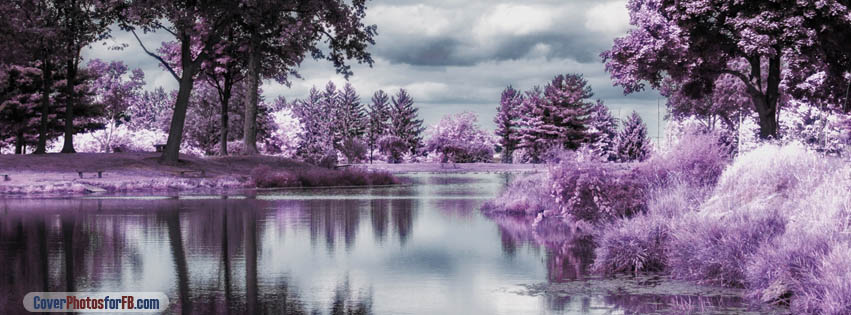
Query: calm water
[[419, 249]]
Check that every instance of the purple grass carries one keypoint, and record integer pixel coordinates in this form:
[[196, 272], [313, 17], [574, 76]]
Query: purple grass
[[265, 177]]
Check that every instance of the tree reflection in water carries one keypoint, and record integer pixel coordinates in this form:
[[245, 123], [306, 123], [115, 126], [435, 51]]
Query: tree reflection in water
[[93, 245]]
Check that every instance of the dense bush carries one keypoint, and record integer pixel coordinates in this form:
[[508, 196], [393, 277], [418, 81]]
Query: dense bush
[[633, 245], [596, 192], [698, 158], [266, 177], [392, 147], [459, 139], [354, 150], [527, 195]]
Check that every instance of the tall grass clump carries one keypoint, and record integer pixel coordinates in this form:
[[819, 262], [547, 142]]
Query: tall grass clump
[[777, 224], [266, 177], [527, 195]]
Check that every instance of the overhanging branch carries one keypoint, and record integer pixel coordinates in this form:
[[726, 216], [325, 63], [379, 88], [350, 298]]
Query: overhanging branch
[[157, 57]]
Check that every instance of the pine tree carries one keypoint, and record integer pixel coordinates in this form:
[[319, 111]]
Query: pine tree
[[633, 144], [315, 117], [404, 123], [507, 122], [532, 144], [350, 120], [604, 128], [559, 117], [379, 121]]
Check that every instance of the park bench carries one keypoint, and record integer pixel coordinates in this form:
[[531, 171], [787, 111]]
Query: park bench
[[5, 177], [100, 173], [341, 166], [192, 173], [159, 147]]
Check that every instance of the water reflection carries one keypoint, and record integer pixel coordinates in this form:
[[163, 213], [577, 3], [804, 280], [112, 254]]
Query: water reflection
[[423, 248]]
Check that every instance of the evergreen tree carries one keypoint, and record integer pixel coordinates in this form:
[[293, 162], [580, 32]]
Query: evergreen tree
[[315, 117], [350, 120], [404, 123], [604, 128], [532, 117], [379, 119], [633, 144], [559, 117], [507, 122]]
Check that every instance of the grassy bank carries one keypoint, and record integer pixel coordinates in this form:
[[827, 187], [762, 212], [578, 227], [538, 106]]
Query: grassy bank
[[140, 172], [775, 221]]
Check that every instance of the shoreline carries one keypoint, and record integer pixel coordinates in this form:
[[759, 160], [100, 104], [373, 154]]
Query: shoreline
[[56, 174]]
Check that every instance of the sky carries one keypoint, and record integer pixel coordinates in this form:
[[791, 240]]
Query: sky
[[458, 55]]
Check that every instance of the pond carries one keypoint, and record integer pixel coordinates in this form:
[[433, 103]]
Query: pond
[[422, 248]]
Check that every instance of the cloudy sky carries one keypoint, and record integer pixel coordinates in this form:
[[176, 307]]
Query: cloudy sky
[[458, 55]]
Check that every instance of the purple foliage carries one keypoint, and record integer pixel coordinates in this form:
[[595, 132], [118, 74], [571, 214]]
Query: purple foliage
[[392, 147], [459, 139], [527, 195], [597, 192], [266, 177], [634, 245], [633, 143], [507, 122], [557, 118], [404, 121]]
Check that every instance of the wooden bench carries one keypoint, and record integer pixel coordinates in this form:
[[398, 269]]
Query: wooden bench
[[159, 147], [100, 173], [196, 173], [5, 177], [337, 167]]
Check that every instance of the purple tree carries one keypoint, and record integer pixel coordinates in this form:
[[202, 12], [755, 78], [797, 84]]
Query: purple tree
[[350, 121], [197, 28], [633, 144], [532, 145], [604, 130], [278, 34], [459, 139], [696, 41], [116, 89], [379, 120], [558, 119], [19, 107], [315, 144], [507, 122], [404, 122]]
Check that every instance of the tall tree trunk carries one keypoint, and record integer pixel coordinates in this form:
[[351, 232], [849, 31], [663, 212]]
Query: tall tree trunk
[[71, 76], [47, 85], [19, 143], [249, 134], [766, 103], [223, 143], [171, 153]]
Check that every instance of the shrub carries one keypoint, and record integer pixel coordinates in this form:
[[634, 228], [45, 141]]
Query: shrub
[[265, 177], [459, 139], [637, 244], [714, 250], [354, 150], [525, 196], [392, 147], [697, 158], [595, 191]]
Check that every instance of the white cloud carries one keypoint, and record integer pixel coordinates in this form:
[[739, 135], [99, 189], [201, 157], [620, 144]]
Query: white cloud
[[610, 17], [410, 19], [511, 19]]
